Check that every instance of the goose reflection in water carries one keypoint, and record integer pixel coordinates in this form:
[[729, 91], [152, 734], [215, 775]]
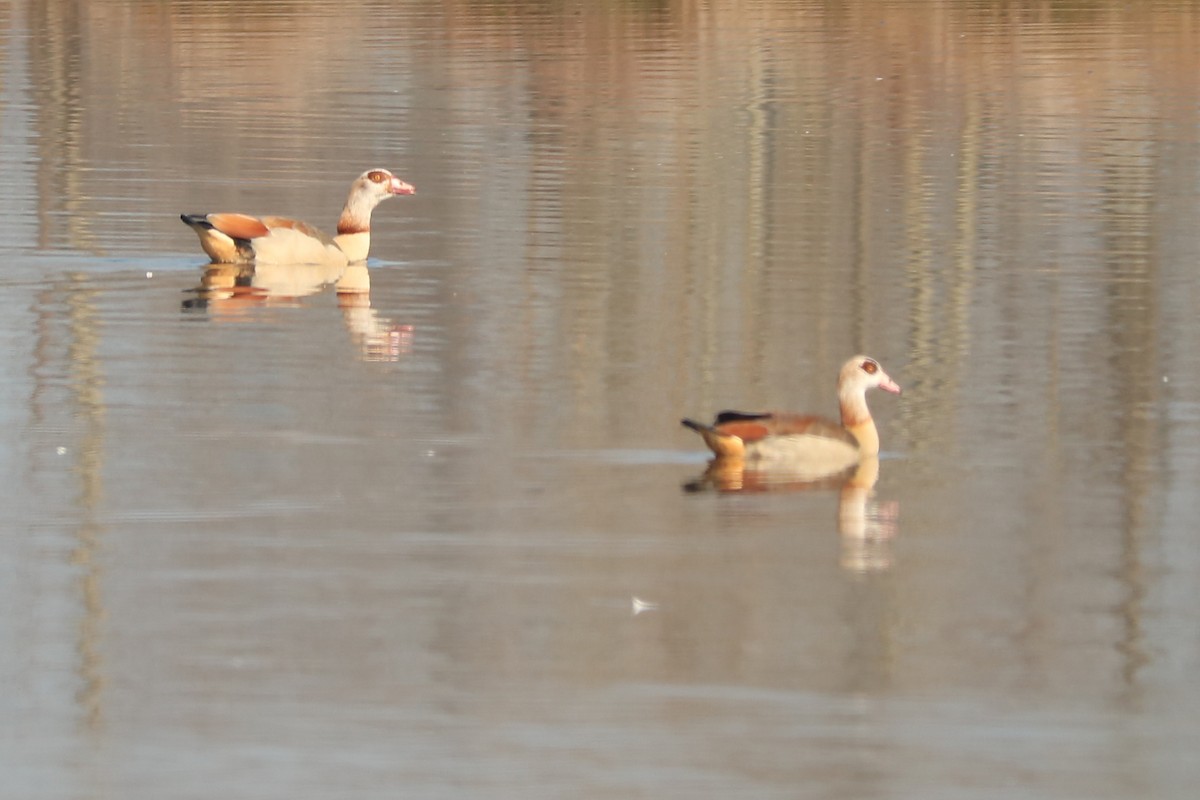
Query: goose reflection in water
[[867, 527], [237, 291], [378, 338]]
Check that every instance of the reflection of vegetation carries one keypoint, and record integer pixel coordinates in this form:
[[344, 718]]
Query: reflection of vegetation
[[59, 70], [67, 356], [1069, 12], [566, 7]]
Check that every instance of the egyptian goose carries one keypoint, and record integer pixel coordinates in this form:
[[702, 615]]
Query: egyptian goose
[[809, 445], [231, 238]]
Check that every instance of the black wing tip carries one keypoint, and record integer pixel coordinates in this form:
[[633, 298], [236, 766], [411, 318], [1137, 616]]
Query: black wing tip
[[740, 416], [196, 220]]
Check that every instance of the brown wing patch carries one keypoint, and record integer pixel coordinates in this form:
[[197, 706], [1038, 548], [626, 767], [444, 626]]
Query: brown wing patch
[[297, 225], [753, 427], [238, 226], [746, 430]]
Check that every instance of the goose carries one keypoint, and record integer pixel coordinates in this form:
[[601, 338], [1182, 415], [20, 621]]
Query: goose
[[231, 238], [810, 447]]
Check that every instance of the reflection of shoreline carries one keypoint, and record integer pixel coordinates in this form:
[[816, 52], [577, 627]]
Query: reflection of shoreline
[[233, 292], [866, 527]]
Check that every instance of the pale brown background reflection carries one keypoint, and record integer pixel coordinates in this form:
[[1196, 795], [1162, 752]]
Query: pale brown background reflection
[[305, 543]]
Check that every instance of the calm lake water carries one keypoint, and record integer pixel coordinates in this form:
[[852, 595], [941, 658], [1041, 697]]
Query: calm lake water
[[432, 540]]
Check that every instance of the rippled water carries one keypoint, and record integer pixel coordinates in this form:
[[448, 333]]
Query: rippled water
[[432, 539]]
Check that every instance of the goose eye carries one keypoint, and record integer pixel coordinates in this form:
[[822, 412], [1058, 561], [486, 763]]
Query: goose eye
[[376, 177], [870, 367]]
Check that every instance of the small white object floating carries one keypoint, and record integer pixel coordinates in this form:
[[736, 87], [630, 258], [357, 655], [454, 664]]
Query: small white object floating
[[640, 605]]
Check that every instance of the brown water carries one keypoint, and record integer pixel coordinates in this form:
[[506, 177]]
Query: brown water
[[432, 541]]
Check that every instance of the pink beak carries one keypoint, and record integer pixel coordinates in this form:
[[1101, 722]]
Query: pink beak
[[400, 187], [890, 386]]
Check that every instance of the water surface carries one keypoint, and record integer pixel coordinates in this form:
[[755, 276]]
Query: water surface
[[432, 539]]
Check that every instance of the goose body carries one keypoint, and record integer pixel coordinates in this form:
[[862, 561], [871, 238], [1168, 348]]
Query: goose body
[[232, 238], [809, 446]]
